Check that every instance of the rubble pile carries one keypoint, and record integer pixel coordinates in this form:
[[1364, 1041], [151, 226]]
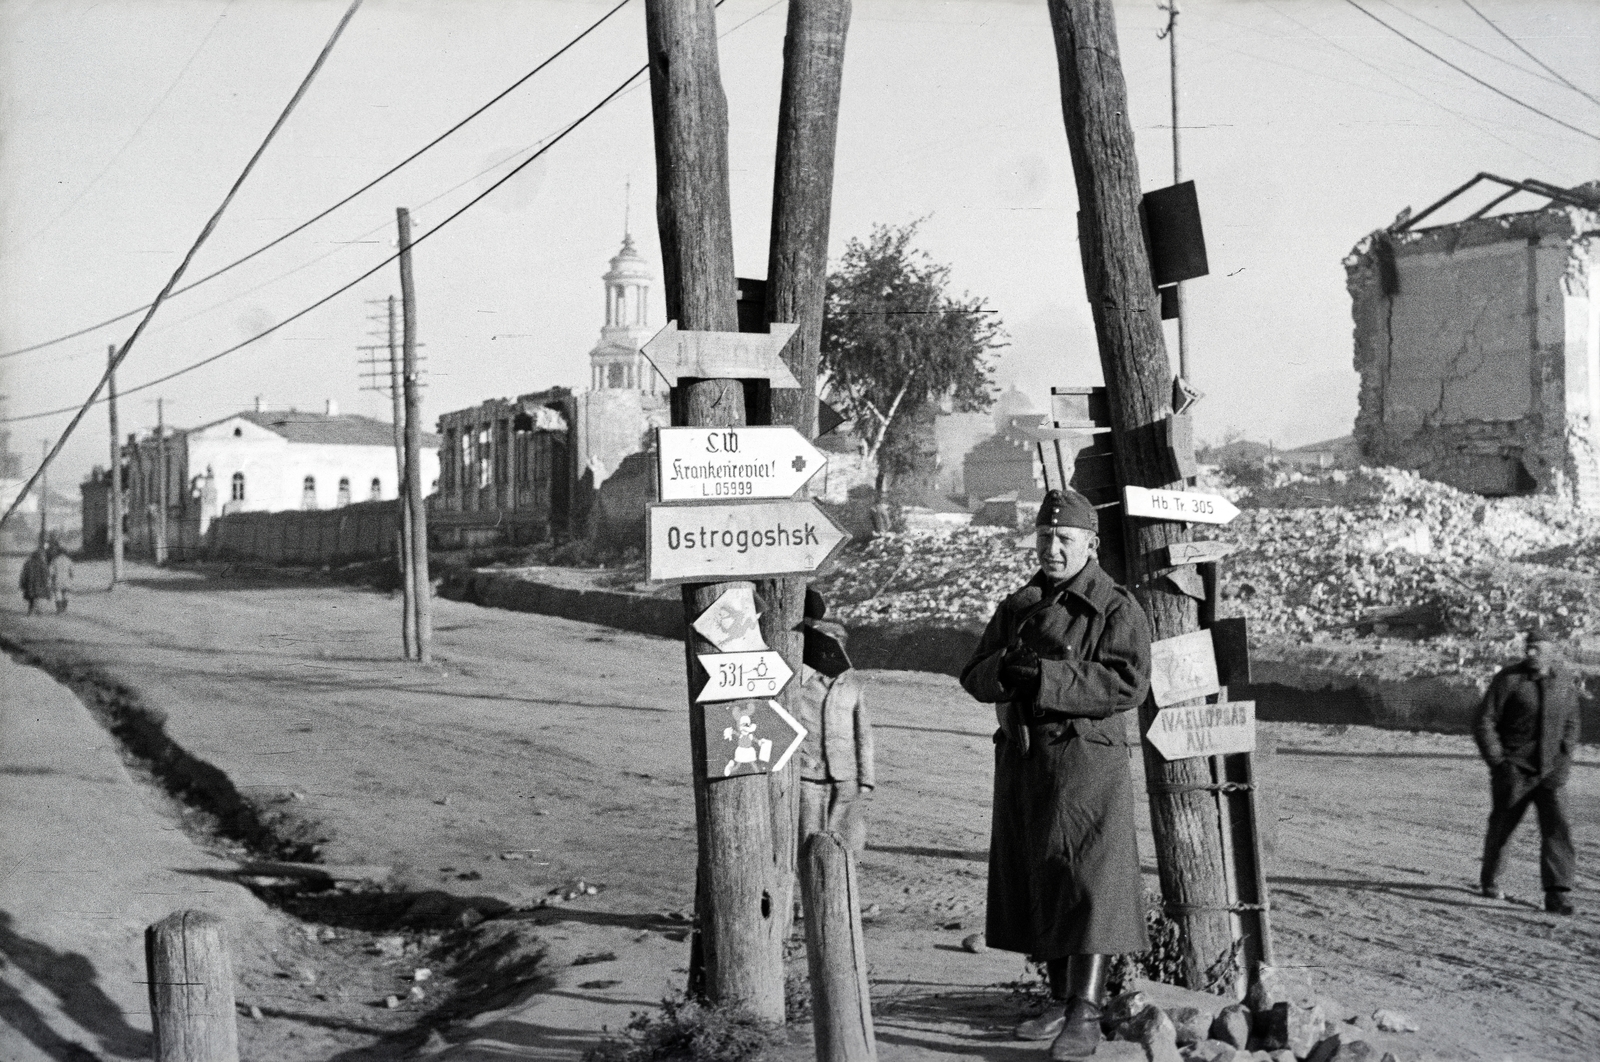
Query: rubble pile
[[1329, 557], [1281, 1020]]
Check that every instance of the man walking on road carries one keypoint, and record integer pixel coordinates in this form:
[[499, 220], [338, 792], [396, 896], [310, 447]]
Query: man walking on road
[[60, 574], [1062, 658], [35, 579], [1527, 730]]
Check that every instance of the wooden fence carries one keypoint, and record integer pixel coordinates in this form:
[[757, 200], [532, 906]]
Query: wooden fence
[[359, 532]]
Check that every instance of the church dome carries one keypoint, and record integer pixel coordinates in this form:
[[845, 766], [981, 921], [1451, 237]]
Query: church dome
[[628, 264]]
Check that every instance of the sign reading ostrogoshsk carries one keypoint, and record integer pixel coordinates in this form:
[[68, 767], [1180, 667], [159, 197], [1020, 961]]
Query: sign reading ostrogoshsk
[[739, 540], [715, 464]]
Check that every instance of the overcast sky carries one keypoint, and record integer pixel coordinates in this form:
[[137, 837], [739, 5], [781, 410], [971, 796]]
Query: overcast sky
[[1305, 125]]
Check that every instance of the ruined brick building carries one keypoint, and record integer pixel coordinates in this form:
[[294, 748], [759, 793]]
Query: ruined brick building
[[1478, 345]]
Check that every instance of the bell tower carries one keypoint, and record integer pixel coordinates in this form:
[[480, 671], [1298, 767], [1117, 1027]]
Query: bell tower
[[615, 362]]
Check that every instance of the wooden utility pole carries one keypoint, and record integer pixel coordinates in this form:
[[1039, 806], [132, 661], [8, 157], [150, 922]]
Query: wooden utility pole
[[1138, 378], [739, 930], [797, 265], [44, 491], [191, 989], [408, 575], [116, 471], [1171, 34], [421, 593], [161, 490]]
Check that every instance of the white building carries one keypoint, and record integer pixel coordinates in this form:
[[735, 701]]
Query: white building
[[265, 461]]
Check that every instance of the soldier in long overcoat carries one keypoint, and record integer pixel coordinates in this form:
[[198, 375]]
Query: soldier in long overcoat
[[1063, 659], [1527, 729]]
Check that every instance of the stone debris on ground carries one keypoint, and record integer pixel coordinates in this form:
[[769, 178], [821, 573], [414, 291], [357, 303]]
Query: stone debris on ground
[[1294, 1025], [1335, 556]]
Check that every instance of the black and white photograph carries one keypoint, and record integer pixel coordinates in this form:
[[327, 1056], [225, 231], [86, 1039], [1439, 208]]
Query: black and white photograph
[[772, 530]]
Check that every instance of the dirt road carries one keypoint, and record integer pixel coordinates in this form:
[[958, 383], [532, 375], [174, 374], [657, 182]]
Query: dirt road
[[538, 751]]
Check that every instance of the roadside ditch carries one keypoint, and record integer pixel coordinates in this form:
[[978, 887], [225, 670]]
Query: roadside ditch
[[377, 973]]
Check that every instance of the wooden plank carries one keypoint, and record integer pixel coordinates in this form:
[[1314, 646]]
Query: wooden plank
[[1073, 406], [1187, 581], [841, 1011], [1204, 729], [1183, 668], [721, 355], [1178, 438]]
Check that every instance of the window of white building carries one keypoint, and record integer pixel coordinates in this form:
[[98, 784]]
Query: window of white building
[[308, 493], [237, 491]]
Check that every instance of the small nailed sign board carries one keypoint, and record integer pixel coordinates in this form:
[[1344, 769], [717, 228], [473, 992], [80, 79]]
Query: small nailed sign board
[[1191, 506], [749, 737], [730, 623], [718, 464], [1204, 730], [1196, 552], [738, 540], [739, 676], [1183, 668]]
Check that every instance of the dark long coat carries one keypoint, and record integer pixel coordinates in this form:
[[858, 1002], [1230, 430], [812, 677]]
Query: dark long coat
[[35, 579], [1531, 724], [1063, 855]]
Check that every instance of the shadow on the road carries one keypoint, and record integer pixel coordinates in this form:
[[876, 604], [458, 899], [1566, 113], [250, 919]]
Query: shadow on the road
[[975, 856], [969, 1023], [1412, 889], [933, 730], [71, 978], [1353, 754]]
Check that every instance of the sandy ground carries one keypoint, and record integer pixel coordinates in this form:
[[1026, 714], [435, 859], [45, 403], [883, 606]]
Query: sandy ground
[[565, 747]]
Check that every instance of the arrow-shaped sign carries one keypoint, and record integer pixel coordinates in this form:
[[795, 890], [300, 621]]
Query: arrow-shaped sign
[[1204, 730], [1194, 553], [1179, 505], [753, 737], [740, 676], [716, 464], [730, 623], [738, 540], [721, 355]]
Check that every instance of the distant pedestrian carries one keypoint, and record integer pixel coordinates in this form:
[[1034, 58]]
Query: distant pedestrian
[[35, 580], [1527, 730], [836, 757], [60, 575]]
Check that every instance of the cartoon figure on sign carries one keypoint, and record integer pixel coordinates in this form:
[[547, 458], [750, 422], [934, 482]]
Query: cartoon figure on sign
[[749, 749]]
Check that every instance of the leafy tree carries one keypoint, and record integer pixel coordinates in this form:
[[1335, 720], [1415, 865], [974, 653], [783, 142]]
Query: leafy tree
[[895, 342]]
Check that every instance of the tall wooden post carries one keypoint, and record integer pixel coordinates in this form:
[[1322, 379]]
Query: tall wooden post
[[408, 618], [161, 490], [115, 520], [739, 944], [797, 264], [841, 1007], [421, 592], [44, 492], [1133, 357], [191, 989]]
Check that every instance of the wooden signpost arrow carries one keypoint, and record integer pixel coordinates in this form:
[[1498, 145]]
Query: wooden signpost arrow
[[1204, 730], [738, 540], [740, 676], [750, 737], [721, 355], [1178, 553], [1179, 505], [716, 464]]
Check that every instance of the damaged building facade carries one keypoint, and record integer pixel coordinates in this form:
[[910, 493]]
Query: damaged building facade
[[1478, 347]]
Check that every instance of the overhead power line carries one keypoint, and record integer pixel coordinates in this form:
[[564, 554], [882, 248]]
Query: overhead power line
[[1468, 74], [1518, 46], [385, 175], [194, 248], [553, 141], [1518, 67]]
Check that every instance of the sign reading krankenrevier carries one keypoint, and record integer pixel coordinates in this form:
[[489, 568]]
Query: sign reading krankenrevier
[[719, 464], [743, 540]]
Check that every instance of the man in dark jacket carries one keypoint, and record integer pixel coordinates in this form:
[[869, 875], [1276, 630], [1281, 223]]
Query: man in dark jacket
[[1527, 730], [35, 579], [1062, 659]]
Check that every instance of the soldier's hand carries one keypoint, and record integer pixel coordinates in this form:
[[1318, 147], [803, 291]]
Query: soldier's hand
[[1019, 672]]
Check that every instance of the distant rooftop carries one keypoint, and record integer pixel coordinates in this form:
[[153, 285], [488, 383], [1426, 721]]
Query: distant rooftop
[[339, 429]]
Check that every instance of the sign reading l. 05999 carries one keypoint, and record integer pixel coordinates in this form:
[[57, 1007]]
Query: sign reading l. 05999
[[714, 464]]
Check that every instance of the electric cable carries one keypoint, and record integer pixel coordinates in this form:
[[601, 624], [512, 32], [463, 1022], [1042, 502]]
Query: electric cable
[[1471, 76], [194, 248], [1518, 46], [385, 175], [1468, 44]]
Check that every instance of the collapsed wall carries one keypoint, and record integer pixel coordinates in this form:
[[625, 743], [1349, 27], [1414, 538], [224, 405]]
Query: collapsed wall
[[1478, 348]]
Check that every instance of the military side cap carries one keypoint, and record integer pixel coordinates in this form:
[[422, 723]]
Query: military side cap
[[1066, 509]]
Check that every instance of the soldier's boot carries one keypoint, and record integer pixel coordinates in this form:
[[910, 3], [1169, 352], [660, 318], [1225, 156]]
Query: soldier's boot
[[1047, 1025], [1080, 1028]]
